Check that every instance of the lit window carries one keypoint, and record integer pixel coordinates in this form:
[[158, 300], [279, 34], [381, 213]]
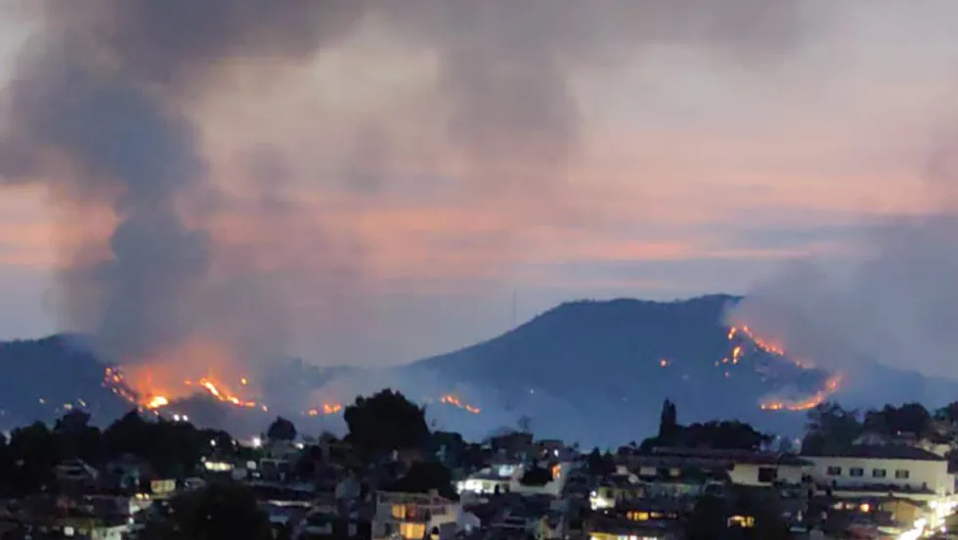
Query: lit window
[[638, 516], [412, 531], [746, 522], [399, 511]]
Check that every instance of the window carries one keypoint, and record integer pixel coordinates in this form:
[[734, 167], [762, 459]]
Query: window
[[834, 471], [412, 531], [767, 474], [856, 471], [399, 511], [638, 516], [745, 522], [901, 474], [878, 473]]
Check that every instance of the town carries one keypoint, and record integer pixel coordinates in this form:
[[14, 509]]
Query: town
[[884, 474]]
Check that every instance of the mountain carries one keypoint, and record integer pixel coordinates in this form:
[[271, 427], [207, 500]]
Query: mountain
[[603, 369], [42, 379], [592, 371]]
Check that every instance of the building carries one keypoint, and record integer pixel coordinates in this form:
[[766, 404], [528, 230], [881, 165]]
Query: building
[[904, 471], [744, 468], [413, 515], [891, 471]]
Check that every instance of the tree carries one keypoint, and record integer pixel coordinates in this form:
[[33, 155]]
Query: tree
[[281, 430], [722, 435], [384, 422], [668, 424], [830, 428], [890, 421], [536, 476], [707, 521], [220, 511], [78, 438], [598, 464], [425, 476]]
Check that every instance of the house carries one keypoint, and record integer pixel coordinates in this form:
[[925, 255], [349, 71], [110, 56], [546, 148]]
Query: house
[[413, 515], [615, 527], [880, 469], [894, 471], [75, 475], [613, 489], [743, 467], [488, 481], [324, 523]]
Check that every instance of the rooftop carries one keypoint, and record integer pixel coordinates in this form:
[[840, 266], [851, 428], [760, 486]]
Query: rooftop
[[885, 451], [665, 456]]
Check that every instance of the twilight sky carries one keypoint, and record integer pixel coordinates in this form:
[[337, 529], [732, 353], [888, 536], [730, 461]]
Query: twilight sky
[[682, 170]]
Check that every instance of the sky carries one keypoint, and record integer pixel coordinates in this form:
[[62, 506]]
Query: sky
[[681, 172]]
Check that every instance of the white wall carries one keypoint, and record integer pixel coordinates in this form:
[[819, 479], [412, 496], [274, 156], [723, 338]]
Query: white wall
[[933, 474], [746, 474]]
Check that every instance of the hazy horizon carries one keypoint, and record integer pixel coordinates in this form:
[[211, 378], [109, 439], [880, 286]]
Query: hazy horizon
[[382, 195]]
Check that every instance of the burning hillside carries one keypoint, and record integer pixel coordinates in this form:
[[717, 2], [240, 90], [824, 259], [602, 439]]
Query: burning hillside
[[156, 400], [744, 341]]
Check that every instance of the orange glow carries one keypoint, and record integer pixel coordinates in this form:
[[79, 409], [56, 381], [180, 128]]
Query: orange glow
[[154, 385], [325, 410], [450, 399], [830, 387], [156, 402]]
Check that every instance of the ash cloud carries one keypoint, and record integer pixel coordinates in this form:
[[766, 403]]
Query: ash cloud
[[100, 111]]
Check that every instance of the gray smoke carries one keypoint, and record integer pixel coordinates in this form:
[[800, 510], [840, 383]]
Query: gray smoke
[[101, 89], [99, 111], [895, 303]]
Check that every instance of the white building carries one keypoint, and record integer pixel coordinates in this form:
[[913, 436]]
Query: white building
[[901, 471], [414, 515]]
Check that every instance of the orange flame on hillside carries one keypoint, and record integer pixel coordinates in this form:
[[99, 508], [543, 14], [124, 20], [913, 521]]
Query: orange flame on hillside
[[155, 385], [450, 399], [831, 386], [326, 409]]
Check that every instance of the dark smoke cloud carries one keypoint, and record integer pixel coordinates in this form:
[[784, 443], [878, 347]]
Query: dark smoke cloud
[[99, 111], [99, 89]]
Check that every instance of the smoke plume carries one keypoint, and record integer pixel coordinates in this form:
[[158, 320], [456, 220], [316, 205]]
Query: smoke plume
[[107, 109], [894, 304]]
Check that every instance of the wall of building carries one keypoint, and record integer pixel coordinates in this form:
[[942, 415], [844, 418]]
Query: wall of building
[[931, 475], [747, 474]]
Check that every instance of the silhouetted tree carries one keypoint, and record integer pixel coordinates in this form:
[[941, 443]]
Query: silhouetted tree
[[722, 435], [830, 428], [281, 430], [78, 438], [220, 511], [599, 464], [35, 452], [668, 424], [536, 476], [384, 422], [708, 519], [911, 418], [423, 477]]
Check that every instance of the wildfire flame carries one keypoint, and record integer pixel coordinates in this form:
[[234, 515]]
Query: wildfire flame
[[326, 409], [450, 399], [831, 385], [157, 400]]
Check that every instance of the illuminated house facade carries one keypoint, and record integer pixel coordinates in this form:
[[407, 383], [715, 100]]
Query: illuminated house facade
[[415, 516]]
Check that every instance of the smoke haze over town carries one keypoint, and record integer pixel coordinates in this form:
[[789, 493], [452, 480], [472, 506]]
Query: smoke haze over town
[[368, 183]]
